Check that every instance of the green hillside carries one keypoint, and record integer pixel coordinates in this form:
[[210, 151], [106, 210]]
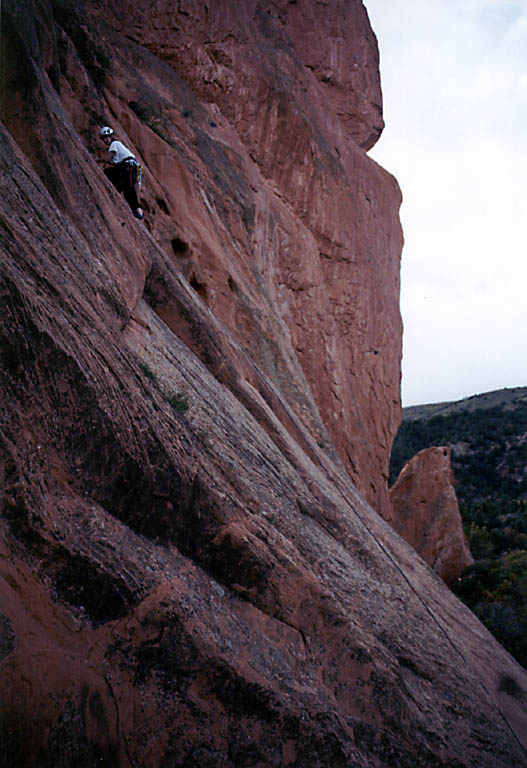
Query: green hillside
[[488, 437]]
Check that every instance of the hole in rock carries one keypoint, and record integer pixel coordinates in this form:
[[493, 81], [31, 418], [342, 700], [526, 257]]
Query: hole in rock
[[162, 205], [179, 247], [232, 284], [510, 686], [103, 596], [200, 288]]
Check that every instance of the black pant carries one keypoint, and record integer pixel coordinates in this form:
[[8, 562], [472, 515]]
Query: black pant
[[124, 177]]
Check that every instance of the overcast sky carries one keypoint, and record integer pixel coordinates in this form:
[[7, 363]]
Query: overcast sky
[[454, 80]]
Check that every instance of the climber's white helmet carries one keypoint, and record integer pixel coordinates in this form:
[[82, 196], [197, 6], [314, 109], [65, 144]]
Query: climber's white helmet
[[106, 131]]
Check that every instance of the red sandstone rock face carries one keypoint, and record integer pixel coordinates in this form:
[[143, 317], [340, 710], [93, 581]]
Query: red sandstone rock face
[[188, 577], [306, 277], [426, 513]]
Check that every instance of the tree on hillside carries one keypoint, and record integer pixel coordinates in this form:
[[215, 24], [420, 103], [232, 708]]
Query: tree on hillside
[[489, 462]]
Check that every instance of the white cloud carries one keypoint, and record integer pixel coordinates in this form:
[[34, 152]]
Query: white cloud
[[454, 79]]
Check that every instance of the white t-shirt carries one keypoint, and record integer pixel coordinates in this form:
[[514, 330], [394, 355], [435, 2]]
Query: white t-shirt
[[119, 151]]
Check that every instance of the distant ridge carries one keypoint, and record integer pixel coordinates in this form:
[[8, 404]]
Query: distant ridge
[[497, 398], [487, 437]]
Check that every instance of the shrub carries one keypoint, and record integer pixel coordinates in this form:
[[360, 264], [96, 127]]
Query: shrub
[[179, 402], [148, 372]]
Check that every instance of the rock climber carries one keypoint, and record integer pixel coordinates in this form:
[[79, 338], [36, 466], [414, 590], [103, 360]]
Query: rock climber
[[123, 170]]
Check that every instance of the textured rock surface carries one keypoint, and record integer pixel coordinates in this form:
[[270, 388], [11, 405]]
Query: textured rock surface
[[189, 575], [426, 512], [299, 254]]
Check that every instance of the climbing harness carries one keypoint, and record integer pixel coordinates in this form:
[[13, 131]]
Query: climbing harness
[[135, 170]]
